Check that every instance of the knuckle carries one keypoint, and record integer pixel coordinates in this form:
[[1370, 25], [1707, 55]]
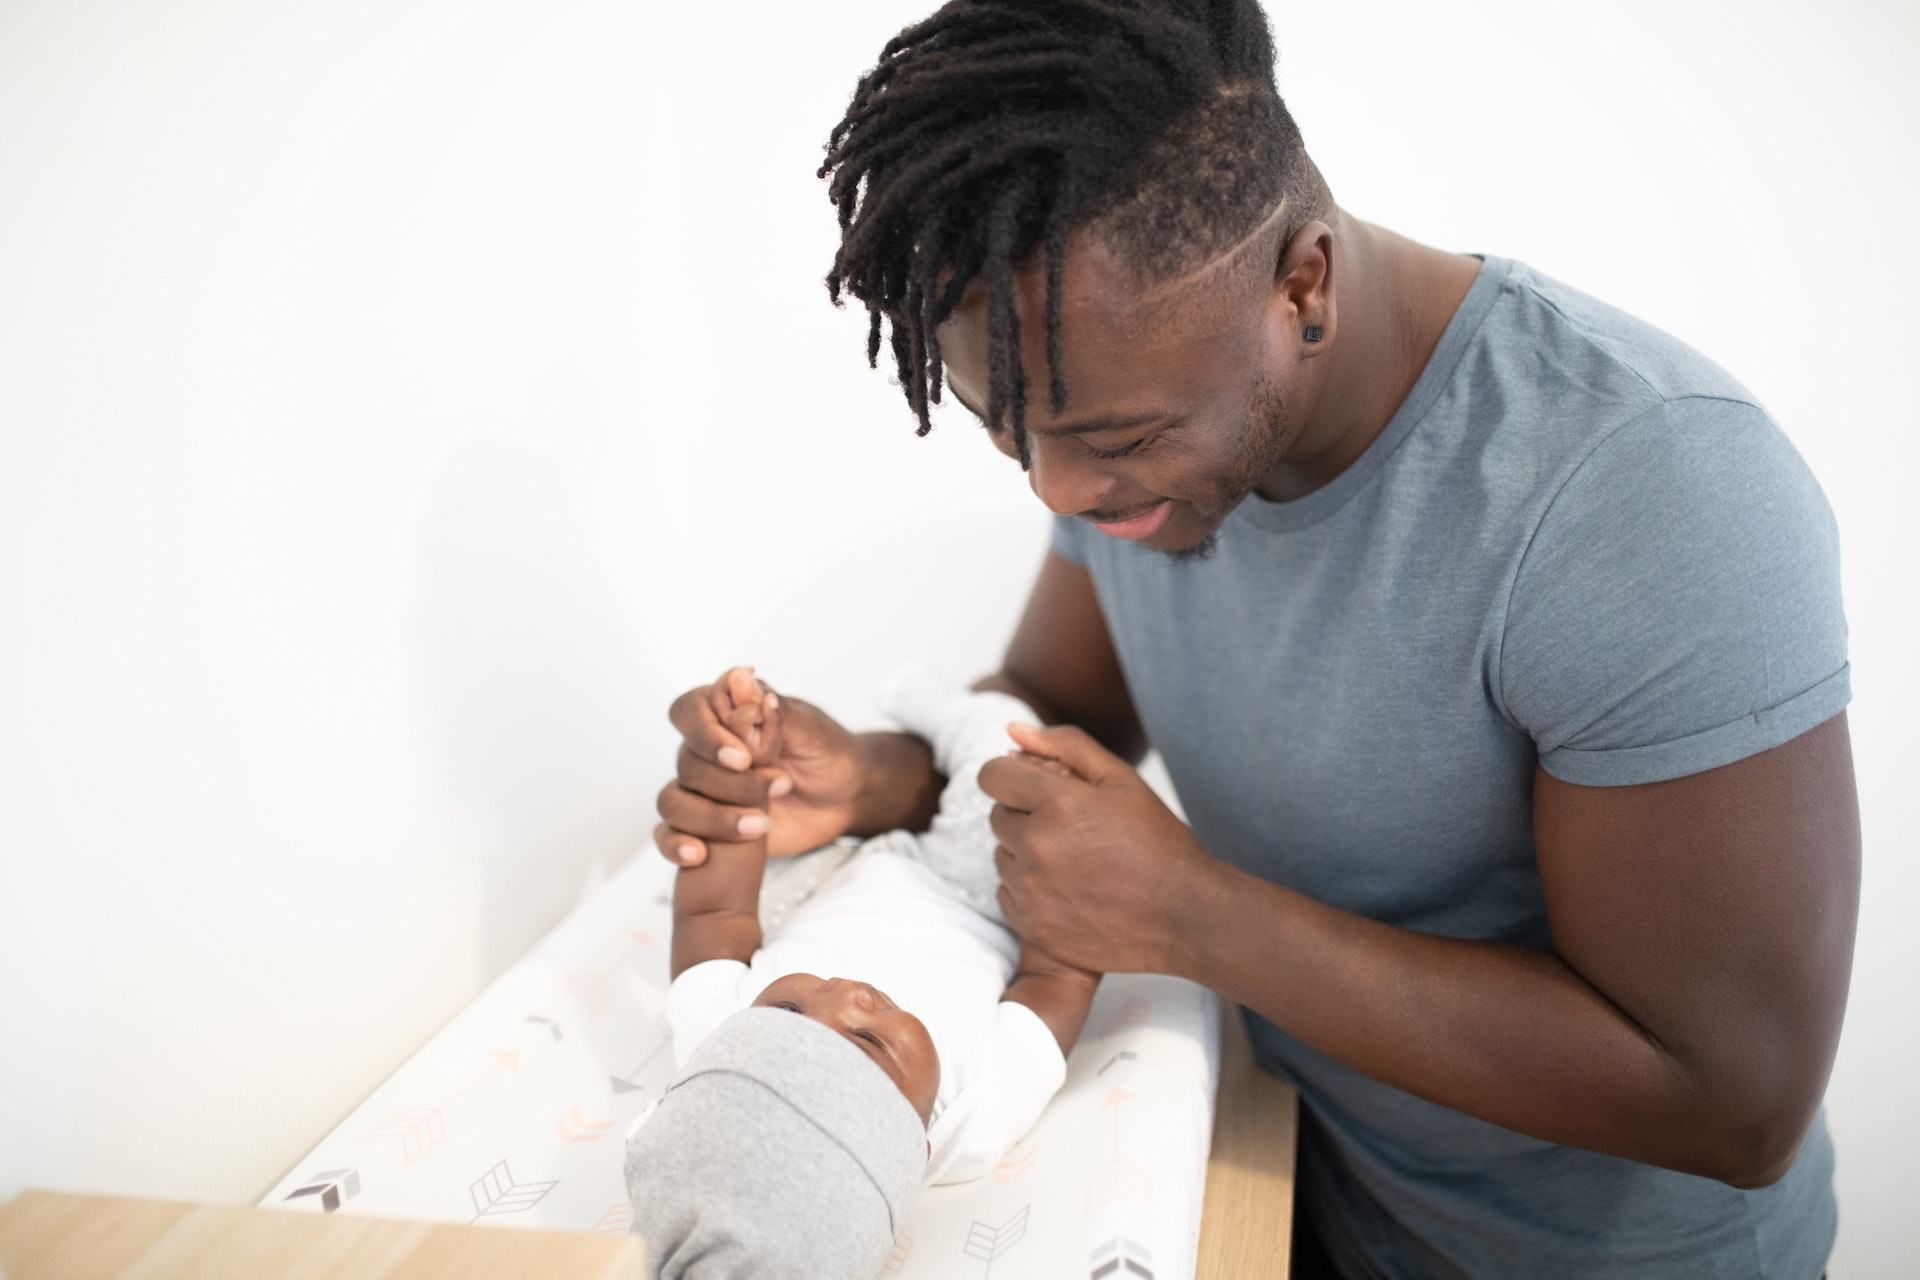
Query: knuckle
[[686, 706]]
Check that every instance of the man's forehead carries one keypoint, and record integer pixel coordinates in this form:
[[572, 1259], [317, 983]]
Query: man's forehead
[[1127, 344]]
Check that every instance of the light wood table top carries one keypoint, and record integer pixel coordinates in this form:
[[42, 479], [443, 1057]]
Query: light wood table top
[[54, 1236], [1246, 1220]]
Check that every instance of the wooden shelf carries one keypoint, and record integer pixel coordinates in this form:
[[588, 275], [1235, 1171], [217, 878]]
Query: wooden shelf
[[53, 1236]]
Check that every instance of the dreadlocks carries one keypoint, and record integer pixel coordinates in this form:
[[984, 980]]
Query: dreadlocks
[[989, 131]]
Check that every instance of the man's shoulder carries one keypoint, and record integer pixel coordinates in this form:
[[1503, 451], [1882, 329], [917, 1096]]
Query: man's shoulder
[[1576, 349]]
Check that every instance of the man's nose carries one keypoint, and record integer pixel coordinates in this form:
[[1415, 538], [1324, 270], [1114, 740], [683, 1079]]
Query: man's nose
[[1067, 486]]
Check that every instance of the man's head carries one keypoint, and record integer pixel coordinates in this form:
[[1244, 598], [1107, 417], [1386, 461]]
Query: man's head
[[860, 1013], [1102, 196]]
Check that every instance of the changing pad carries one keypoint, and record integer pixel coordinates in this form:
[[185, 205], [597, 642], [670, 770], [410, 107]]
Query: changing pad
[[514, 1114]]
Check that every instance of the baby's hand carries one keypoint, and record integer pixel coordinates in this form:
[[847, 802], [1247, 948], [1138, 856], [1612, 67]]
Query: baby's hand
[[1048, 763], [750, 711]]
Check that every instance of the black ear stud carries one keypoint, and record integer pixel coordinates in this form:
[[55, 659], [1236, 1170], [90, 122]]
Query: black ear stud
[[1314, 333]]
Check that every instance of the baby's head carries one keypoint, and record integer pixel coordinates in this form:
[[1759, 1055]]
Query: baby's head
[[787, 1146], [861, 1013]]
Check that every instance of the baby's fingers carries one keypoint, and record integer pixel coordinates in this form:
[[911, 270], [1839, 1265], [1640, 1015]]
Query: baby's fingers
[[693, 714], [1044, 762]]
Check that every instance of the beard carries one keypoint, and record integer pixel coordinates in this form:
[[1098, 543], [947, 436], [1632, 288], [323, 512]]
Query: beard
[[1254, 455]]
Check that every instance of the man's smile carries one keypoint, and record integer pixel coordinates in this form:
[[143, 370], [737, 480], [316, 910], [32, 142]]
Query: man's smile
[[1135, 528]]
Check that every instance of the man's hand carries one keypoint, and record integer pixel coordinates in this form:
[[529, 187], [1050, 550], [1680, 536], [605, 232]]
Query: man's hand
[[806, 783], [1093, 866], [730, 788]]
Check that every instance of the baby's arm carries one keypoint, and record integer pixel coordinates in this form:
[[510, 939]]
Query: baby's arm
[[716, 905], [1058, 993]]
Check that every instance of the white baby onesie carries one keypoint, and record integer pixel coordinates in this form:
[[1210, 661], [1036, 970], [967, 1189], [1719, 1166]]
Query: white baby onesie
[[915, 916]]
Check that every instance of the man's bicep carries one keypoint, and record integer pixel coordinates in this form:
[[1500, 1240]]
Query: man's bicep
[[1717, 910], [1062, 660]]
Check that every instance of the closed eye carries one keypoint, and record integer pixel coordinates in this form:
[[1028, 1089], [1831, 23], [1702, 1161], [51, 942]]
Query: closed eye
[[788, 1005], [1123, 451]]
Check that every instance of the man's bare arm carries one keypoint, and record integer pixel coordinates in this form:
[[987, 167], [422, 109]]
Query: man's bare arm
[[1061, 661], [1687, 1016]]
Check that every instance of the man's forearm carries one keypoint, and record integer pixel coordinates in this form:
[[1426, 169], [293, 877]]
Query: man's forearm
[[1505, 1033], [900, 788]]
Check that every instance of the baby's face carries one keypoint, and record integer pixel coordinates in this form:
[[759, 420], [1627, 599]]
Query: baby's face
[[896, 1040]]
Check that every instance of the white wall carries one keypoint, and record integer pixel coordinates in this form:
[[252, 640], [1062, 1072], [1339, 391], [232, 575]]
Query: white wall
[[400, 401]]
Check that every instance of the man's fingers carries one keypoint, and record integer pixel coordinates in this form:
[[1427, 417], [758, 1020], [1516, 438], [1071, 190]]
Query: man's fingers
[[1010, 909], [1009, 828], [679, 848], [1072, 746], [1016, 783], [695, 815], [752, 789], [693, 715]]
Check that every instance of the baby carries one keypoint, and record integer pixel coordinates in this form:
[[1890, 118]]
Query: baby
[[891, 1032]]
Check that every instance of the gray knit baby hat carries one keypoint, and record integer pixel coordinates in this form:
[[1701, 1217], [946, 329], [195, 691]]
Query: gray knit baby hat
[[779, 1151]]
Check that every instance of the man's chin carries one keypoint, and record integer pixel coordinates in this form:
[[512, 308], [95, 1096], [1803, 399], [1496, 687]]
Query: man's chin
[[1200, 550], [1190, 536]]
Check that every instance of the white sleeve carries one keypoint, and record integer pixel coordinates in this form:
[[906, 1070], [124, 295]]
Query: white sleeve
[[702, 998], [1020, 1068], [966, 730]]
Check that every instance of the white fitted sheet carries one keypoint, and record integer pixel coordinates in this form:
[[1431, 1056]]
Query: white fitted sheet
[[513, 1115]]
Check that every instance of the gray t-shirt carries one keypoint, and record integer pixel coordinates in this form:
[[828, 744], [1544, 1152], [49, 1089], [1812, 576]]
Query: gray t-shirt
[[1578, 543]]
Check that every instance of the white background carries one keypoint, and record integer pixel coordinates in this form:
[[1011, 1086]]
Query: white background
[[400, 401]]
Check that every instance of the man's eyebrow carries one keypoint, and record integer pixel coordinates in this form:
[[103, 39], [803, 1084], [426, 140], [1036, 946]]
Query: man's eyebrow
[[1086, 426]]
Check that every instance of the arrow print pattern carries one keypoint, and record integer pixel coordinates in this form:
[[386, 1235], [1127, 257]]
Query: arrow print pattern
[[334, 1187], [496, 1194]]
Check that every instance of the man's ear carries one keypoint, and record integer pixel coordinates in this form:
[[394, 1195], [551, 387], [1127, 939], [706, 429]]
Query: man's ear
[[1301, 309]]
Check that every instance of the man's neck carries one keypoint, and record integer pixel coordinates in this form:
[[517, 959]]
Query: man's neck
[[1395, 298]]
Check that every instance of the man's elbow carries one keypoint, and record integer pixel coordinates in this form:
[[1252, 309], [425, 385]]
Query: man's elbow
[[1757, 1151]]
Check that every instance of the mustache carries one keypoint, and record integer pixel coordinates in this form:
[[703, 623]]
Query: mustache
[[1100, 517]]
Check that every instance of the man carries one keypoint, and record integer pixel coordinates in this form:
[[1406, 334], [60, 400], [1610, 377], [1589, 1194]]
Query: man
[[1492, 640]]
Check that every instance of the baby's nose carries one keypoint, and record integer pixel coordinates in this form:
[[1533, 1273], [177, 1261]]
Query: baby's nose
[[862, 994]]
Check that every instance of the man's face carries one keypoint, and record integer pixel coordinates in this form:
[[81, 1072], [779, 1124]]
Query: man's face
[[1173, 413]]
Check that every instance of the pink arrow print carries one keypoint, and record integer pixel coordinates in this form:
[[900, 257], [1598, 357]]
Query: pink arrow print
[[420, 1129], [615, 1221], [573, 1127], [1134, 1011], [1119, 1179], [1016, 1166], [897, 1260]]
